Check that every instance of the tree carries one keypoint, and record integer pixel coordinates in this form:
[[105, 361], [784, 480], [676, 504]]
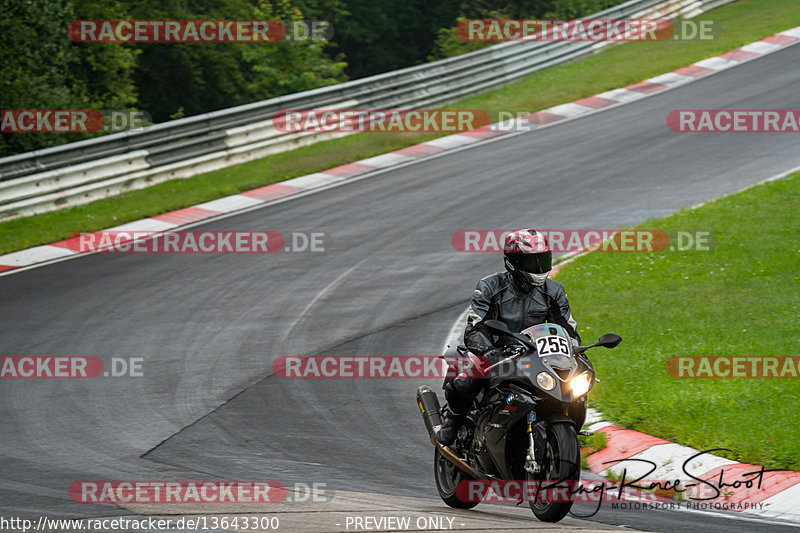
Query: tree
[[383, 35], [449, 44], [41, 68], [197, 78]]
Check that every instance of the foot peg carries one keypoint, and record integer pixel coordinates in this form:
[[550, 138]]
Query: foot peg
[[585, 433]]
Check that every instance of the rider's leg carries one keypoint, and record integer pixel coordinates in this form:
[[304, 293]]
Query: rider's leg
[[459, 394]]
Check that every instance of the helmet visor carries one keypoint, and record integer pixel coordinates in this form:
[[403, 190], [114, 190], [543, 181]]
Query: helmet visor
[[535, 263]]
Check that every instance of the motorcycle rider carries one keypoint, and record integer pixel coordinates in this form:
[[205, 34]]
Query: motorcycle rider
[[521, 297]]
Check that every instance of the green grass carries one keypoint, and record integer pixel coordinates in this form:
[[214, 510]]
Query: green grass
[[175, 194], [616, 66], [740, 298], [590, 445]]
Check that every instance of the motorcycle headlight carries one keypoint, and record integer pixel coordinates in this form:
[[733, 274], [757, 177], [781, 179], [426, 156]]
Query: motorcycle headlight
[[580, 384], [545, 380]]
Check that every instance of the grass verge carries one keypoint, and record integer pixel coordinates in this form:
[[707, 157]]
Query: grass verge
[[615, 66], [739, 299], [590, 445]]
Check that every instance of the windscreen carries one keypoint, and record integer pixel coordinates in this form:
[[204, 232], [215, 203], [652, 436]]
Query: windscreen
[[553, 346]]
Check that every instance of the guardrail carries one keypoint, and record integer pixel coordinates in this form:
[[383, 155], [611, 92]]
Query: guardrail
[[80, 172]]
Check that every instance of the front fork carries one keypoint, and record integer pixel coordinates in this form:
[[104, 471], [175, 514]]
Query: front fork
[[536, 445]]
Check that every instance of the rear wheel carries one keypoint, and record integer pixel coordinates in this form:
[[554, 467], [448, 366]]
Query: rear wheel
[[448, 476], [562, 463]]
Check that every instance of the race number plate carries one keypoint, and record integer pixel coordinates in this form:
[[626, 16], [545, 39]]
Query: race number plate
[[552, 345]]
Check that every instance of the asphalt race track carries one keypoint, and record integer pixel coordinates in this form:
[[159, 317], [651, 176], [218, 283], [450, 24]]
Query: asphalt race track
[[388, 283]]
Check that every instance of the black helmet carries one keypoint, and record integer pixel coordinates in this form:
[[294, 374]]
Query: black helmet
[[528, 257]]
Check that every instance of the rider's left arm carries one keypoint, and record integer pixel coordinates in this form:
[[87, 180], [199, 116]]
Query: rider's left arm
[[561, 314]]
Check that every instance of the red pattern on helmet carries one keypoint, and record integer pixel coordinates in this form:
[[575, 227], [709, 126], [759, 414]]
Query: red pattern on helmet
[[525, 241]]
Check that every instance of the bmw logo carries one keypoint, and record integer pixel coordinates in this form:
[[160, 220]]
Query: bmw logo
[[510, 399]]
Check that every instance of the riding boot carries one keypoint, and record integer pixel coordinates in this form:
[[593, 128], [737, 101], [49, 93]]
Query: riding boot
[[449, 430]]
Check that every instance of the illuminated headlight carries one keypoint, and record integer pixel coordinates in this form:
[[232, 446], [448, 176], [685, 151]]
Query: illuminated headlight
[[545, 380], [580, 384]]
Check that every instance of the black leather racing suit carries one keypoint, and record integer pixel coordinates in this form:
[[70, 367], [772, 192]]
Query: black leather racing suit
[[519, 306]]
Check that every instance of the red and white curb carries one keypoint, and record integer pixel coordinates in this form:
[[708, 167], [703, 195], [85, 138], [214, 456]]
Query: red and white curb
[[61, 250], [776, 497]]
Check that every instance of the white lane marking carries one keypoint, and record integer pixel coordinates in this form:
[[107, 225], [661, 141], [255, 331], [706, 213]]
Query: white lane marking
[[599, 425], [320, 294], [313, 181], [782, 504], [230, 203], [145, 224], [669, 462], [671, 79], [385, 160], [621, 96], [593, 416], [794, 32], [452, 141], [738, 517], [569, 110], [35, 255], [717, 63], [456, 331], [760, 47]]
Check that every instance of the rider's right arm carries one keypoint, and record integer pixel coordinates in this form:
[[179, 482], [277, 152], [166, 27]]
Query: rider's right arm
[[477, 337]]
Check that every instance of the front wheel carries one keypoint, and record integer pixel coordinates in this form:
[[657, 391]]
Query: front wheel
[[448, 476], [562, 464]]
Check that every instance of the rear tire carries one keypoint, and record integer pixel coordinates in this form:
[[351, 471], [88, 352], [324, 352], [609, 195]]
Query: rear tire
[[448, 476], [562, 462]]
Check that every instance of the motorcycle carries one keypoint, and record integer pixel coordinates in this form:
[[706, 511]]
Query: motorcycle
[[524, 425]]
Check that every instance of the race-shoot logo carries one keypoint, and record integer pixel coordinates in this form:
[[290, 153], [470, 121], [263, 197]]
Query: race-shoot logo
[[699, 487]]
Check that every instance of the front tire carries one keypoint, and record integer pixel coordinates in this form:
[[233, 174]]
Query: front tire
[[448, 476], [562, 462]]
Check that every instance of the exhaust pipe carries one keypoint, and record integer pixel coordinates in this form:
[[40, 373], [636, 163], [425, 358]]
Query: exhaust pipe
[[429, 407], [453, 458]]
